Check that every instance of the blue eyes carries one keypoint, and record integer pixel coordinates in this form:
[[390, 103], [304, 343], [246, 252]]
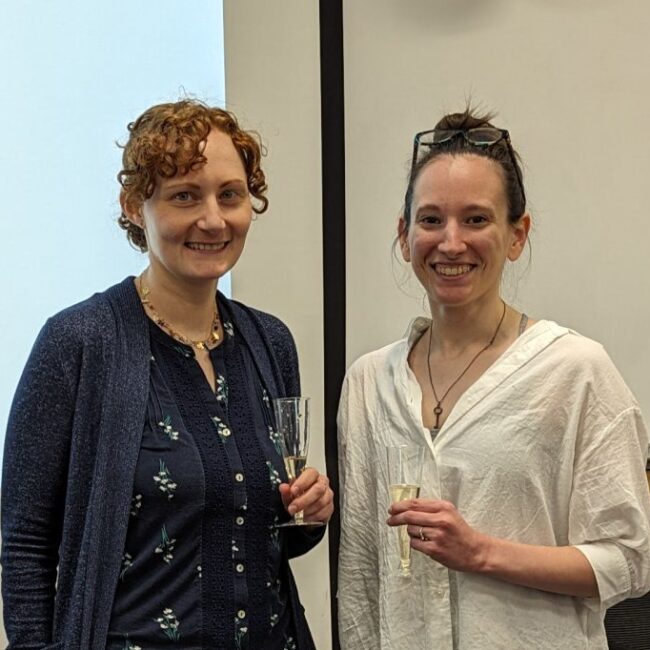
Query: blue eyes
[[474, 220], [227, 196]]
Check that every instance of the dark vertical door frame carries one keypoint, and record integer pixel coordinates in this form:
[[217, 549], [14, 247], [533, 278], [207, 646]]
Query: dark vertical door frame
[[333, 204]]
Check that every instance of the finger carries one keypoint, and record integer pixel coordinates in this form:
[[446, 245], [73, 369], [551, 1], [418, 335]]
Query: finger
[[406, 518], [401, 506], [423, 533], [415, 518], [305, 501], [317, 481], [427, 547], [323, 515], [420, 505], [285, 494], [325, 503], [308, 477], [415, 532], [322, 509]]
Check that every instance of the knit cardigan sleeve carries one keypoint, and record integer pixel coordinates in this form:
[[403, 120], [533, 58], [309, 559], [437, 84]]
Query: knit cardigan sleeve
[[300, 539], [33, 488], [284, 350]]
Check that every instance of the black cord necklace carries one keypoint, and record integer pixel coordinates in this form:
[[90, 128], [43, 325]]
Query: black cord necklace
[[437, 411]]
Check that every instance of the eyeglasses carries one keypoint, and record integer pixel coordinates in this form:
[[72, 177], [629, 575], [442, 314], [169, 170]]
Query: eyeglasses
[[483, 136]]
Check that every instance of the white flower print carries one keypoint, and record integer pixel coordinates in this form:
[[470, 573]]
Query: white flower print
[[164, 480], [289, 643], [169, 624], [276, 439], [240, 632], [167, 429], [273, 475], [274, 620], [229, 329], [127, 562], [222, 428], [166, 546], [199, 571], [136, 505], [221, 391], [234, 548]]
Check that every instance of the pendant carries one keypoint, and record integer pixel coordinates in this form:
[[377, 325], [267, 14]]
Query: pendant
[[437, 411]]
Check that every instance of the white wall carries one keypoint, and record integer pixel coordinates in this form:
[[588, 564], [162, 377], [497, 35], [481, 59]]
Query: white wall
[[273, 85]]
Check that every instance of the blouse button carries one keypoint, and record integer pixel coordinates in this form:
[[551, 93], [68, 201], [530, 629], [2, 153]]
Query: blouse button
[[239, 568], [225, 433], [239, 477], [239, 521], [241, 614]]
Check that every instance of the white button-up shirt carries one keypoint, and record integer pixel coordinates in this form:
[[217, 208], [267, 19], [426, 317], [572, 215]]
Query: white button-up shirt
[[547, 447]]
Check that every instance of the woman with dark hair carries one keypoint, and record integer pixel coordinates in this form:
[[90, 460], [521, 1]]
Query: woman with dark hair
[[534, 514], [143, 479]]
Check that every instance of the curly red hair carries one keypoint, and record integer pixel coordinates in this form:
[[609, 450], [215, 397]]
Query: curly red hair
[[169, 139]]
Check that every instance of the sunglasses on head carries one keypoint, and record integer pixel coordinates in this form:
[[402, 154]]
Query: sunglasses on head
[[482, 136]]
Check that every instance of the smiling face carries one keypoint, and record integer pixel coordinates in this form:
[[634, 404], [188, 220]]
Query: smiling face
[[459, 237], [196, 224]]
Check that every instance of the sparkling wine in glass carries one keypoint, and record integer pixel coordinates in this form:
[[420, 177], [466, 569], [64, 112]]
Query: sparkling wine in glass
[[292, 423], [404, 475]]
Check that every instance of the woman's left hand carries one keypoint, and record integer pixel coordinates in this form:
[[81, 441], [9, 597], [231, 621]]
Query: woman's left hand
[[437, 530], [311, 493]]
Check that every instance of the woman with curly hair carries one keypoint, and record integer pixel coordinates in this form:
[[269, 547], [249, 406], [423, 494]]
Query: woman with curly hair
[[143, 481]]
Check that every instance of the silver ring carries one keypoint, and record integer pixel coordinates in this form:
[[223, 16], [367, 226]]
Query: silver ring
[[422, 535]]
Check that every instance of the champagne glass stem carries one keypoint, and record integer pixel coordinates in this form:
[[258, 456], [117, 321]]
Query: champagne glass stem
[[405, 551], [404, 474]]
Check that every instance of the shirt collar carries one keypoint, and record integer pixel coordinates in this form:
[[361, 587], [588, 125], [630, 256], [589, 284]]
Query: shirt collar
[[416, 329]]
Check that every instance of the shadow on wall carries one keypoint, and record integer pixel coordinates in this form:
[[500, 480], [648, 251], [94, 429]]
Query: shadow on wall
[[451, 16]]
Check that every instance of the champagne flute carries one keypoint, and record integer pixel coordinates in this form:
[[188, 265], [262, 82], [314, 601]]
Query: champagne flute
[[404, 475], [292, 423]]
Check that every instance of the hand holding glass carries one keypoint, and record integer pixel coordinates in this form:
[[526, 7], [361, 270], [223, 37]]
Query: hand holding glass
[[292, 422], [404, 475]]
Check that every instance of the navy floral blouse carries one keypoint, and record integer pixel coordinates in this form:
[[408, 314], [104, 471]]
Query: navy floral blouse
[[202, 560]]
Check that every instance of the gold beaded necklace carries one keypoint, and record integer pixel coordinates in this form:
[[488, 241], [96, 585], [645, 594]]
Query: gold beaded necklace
[[202, 344]]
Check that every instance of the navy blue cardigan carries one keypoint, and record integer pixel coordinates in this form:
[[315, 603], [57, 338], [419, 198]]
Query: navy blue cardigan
[[70, 454]]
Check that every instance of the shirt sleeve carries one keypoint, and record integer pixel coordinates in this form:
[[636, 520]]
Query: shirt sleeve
[[358, 574], [33, 490], [610, 505]]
